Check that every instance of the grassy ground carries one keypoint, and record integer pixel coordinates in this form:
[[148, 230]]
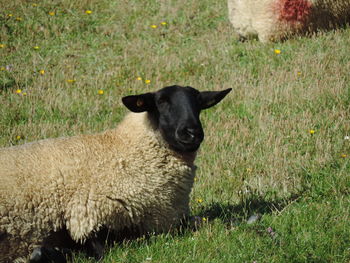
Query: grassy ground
[[276, 147]]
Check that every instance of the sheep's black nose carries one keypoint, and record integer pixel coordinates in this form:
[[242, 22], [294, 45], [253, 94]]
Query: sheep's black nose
[[190, 135]]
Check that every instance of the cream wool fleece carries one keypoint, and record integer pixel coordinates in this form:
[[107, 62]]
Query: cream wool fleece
[[272, 20], [120, 178]]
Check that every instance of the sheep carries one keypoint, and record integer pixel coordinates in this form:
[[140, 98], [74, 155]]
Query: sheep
[[273, 20], [138, 175]]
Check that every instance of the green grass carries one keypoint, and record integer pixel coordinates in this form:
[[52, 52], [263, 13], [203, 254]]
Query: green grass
[[258, 156]]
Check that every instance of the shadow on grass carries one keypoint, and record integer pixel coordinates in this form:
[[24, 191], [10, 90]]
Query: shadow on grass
[[253, 206], [230, 215]]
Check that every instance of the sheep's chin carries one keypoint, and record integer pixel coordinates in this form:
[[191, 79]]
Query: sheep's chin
[[176, 144], [185, 148]]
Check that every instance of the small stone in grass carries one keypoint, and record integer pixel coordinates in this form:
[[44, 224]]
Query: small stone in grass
[[253, 219]]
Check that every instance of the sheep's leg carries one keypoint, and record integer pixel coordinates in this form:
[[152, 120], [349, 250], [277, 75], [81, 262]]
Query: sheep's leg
[[43, 254], [95, 248]]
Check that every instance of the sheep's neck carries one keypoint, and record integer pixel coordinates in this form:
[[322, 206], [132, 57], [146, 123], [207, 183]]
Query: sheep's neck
[[188, 158]]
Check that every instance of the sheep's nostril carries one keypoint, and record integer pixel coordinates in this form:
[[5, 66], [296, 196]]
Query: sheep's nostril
[[191, 133]]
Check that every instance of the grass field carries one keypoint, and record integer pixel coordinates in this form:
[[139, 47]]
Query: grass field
[[277, 147]]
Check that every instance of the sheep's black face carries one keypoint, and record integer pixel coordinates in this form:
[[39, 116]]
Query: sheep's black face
[[178, 117], [176, 110]]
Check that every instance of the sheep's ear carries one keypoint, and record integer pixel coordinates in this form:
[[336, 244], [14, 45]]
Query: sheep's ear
[[139, 103], [210, 98]]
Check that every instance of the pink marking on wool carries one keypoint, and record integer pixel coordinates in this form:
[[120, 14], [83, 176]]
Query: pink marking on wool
[[293, 11]]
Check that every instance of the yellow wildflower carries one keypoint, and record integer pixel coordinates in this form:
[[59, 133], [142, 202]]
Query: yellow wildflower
[[100, 92], [199, 200], [18, 137], [36, 47], [10, 15], [154, 26], [34, 4], [70, 80], [88, 12], [277, 51], [18, 91], [19, 18], [51, 13], [42, 72], [2, 45], [2, 68], [147, 81], [343, 155], [312, 131], [24, 93], [139, 78], [163, 23], [204, 219], [299, 73]]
